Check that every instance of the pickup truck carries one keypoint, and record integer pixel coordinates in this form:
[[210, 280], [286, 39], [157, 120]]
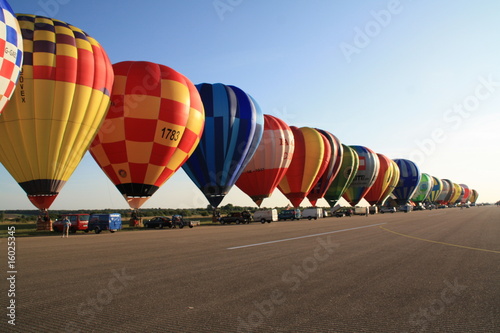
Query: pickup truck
[[181, 222], [236, 217]]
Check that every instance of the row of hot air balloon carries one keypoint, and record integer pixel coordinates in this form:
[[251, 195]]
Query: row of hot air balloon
[[143, 121]]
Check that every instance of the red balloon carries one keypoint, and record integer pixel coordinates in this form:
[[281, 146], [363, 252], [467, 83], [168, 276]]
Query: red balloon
[[153, 125], [325, 178], [381, 182], [270, 161]]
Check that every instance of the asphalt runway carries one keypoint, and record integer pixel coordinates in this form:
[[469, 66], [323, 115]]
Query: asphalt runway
[[425, 271]]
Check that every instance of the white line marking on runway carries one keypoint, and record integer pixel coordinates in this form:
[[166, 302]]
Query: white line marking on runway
[[307, 236]]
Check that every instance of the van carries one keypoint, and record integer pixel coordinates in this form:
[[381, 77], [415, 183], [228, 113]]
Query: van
[[361, 211], [290, 214], [269, 215], [100, 222], [312, 213], [78, 222]]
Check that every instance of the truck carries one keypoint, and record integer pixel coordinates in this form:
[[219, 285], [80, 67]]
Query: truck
[[79, 222], [268, 215], [100, 222], [290, 214], [312, 213]]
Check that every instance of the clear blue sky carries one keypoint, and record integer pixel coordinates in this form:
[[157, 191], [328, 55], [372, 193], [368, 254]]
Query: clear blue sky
[[408, 79]]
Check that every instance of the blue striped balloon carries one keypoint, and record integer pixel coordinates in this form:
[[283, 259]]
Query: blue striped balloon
[[234, 124], [409, 178]]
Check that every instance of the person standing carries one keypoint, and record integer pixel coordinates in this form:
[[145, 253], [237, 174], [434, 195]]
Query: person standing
[[67, 226]]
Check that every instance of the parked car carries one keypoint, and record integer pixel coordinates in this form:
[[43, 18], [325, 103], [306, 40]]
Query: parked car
[[78, 222], [405, 208], [312, 213], [236, 217], [341, 212], [387, 210], [290, 214], [268, 215], [100, 222], [158, 222]]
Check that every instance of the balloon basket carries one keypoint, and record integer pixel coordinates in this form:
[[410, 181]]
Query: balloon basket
[[135, 223], [44, 225]]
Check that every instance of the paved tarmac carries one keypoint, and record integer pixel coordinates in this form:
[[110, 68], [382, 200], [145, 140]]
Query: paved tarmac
[[425, 271]]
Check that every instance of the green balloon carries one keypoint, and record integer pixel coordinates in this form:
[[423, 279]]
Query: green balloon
[[348, 169]]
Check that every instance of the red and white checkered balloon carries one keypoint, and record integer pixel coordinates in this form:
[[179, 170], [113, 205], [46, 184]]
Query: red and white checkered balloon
[[11, 52]]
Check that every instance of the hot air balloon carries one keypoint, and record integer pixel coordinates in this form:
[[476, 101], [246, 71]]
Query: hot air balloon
[[233, 129], [152, 127], [457, 191], [270, 162], [61, 100], [467, 193], [305, 165], [325, 178], [446, 193], [392, 183], [473, 196], [345, 176], [11, 53], [423, 189], [382, 181], [408, 181], [437, 187], [366, 175]]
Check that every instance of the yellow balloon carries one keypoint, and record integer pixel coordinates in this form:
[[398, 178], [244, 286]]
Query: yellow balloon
[[61, 99]]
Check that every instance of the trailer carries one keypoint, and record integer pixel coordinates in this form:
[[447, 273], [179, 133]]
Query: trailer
[[100, 222]]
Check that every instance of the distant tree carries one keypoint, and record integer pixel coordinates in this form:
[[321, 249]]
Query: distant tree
[[228, 207], [2, 216]]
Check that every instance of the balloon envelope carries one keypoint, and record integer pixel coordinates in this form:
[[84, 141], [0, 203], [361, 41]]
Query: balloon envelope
[[61, 100], [150, 130], [345, 176], [423, 189], [437, 187], [325, 178], [446, 193], [11, 53], [270, 162], [382, 181], [409, 179], [366, 175], [233, 129], [467, 193], [457, 191], [305, 165], [473, 196], [392, 183]]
